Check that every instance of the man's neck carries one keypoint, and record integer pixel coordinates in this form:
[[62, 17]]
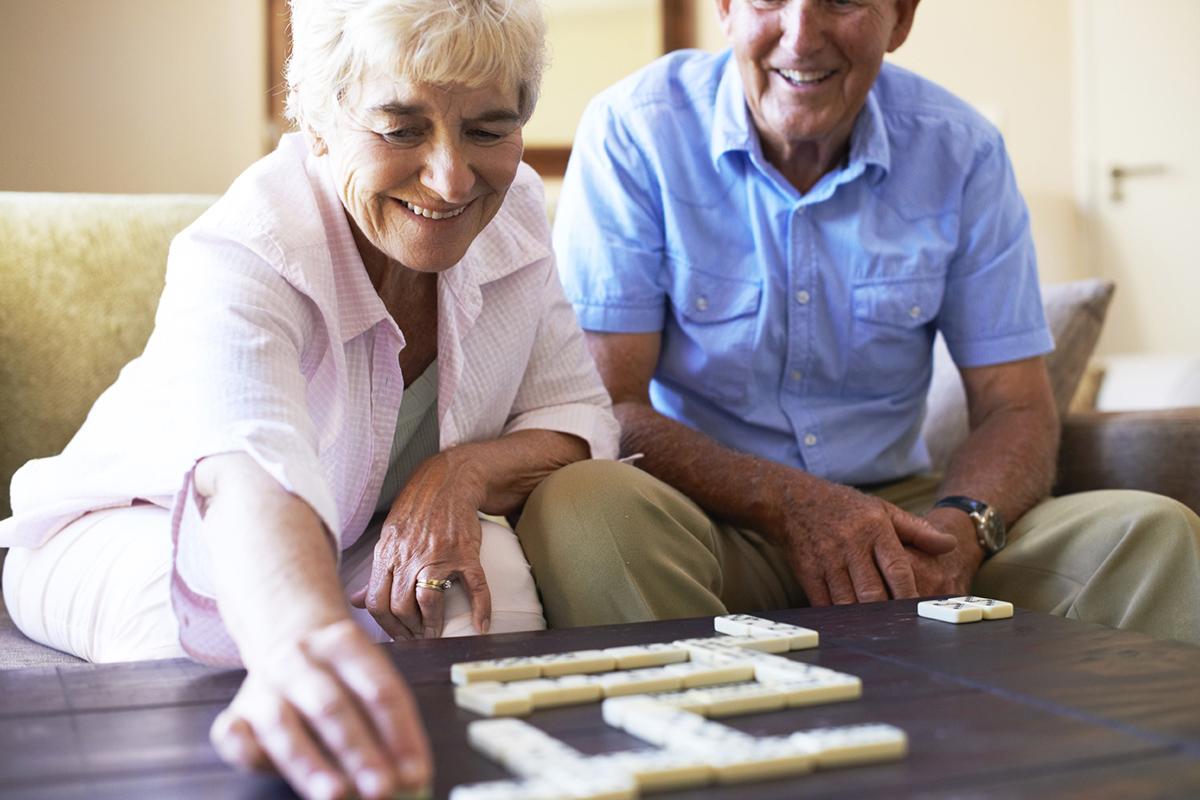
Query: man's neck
[[804, 163]]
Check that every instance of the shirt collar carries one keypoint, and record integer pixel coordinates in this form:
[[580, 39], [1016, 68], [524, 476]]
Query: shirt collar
[[508, 243], [869, 143], [733, 128], [359, 305], [504, 246]]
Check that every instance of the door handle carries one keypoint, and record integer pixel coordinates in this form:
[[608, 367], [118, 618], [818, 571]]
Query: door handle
[[1119, 173]]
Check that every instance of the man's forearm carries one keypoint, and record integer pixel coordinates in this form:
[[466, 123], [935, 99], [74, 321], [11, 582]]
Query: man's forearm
[[741, 488], [1008, 461]]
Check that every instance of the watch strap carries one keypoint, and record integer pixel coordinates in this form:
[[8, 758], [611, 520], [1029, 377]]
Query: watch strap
[[978, 511]]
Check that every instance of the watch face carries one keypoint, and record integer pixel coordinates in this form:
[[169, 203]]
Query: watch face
[[992, 531], [989, 525]]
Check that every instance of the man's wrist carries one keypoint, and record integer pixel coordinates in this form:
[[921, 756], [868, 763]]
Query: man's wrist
[[781, 494], [959, 524]]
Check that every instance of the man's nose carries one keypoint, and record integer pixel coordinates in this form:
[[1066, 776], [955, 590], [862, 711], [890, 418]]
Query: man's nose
[[448, 174], [803, 27]]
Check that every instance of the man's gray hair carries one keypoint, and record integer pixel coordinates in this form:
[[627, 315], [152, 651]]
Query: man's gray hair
[[339, 44]]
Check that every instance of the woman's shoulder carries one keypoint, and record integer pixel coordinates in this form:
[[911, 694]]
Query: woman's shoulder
[[278, 219], [273, 208]]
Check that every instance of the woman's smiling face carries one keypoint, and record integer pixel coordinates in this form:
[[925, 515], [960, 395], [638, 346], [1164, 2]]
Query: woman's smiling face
[[423, 169]]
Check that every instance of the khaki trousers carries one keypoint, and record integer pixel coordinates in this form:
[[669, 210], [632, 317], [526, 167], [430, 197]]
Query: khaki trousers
[[608, 543]]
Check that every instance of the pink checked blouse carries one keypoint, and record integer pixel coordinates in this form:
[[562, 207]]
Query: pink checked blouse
[[270, 339]]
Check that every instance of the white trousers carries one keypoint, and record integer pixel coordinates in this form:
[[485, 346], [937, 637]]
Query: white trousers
[[100, 588]]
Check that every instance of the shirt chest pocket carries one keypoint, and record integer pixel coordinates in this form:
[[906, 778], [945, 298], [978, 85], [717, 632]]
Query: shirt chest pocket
[[892, 335], [716, 330]]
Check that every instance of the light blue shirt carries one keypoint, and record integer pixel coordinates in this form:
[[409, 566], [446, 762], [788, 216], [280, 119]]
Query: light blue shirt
[[798, 327]]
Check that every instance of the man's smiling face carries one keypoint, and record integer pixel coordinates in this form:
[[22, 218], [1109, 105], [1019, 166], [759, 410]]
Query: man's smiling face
[[808, 65]]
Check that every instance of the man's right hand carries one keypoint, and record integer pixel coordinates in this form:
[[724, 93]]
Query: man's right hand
[[846, 547], [331, 715]]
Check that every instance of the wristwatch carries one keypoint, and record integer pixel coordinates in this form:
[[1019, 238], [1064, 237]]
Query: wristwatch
[[989, 525]]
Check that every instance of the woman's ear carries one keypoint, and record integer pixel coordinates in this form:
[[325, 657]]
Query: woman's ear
[[316, 142]]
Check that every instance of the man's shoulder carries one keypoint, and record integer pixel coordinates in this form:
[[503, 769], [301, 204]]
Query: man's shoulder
[[684, 81], [916, 106]]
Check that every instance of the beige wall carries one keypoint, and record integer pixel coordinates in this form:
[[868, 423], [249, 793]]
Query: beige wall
[[1012, 59], [593, 43], [130, 95]]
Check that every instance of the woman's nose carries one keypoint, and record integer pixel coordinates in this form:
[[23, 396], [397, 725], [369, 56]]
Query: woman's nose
[[448, 174]]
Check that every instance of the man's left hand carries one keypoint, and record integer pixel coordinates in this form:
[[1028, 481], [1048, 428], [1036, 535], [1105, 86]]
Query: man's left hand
[[953, 572]]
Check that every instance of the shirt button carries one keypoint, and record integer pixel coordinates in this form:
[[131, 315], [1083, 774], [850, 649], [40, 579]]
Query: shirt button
[[797, 375], [802, 297], [914, 312], [701, 303], [810, 440]]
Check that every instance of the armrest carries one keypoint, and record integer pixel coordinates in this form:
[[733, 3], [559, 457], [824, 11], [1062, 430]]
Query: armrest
[[1155, 451]]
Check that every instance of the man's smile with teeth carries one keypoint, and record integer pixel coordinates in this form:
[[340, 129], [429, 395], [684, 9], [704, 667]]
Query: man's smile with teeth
[[430, 214], [799, 76]]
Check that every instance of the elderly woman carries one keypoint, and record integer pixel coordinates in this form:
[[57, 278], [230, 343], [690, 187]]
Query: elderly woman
[[367, 325]]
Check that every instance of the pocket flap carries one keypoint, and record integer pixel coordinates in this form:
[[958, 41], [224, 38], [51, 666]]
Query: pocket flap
[[901, 304], [708, 298]]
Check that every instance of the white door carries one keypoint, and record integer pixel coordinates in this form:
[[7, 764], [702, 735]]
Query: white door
[[1139, 73]]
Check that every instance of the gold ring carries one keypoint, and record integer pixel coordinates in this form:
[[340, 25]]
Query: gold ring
[[440, 586]]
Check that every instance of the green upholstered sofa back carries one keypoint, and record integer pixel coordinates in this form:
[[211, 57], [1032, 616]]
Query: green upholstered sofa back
[[80, 277]]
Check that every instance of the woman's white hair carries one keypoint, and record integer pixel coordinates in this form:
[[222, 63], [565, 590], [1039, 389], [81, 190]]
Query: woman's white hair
[[337, 44]]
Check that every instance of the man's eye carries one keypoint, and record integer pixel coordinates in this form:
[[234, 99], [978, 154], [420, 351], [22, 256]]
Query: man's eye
[[485, 136]]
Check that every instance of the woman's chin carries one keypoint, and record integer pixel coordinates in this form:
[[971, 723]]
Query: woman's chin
[[428, 261]]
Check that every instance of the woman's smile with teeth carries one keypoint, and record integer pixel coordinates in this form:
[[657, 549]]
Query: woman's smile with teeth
[[430, 214]]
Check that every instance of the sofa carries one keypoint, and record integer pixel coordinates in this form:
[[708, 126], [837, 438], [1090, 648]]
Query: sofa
[[82, 275]]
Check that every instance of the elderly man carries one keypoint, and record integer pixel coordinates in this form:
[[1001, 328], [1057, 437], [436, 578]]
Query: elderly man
[[761, 245]]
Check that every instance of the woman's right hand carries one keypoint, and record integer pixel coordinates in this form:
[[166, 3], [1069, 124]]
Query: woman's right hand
[[331, 715]]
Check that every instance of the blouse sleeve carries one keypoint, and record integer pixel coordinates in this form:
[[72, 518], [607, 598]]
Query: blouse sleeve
[[561, 389], [231, 347]]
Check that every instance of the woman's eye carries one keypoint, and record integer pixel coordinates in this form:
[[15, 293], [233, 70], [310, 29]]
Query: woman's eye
[[402, 135]]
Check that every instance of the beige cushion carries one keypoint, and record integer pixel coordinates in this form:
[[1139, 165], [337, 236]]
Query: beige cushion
[[1088, 389], [1075, 312], [81, 276]]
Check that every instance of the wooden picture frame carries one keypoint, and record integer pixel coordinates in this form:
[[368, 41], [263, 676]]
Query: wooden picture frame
[[678, 31]]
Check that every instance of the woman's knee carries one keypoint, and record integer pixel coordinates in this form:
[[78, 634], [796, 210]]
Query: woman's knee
[[509, 578], [100, 588]]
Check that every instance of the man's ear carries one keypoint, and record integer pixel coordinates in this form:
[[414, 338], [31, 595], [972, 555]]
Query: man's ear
[[723, 11], [906, 11]]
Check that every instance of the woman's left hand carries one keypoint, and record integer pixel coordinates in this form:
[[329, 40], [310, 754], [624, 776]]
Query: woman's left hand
[[431, 533]]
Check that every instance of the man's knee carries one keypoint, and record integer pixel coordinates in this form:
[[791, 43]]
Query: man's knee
[[1169, 524], [610, 543], [573, 500], [1173, 527]]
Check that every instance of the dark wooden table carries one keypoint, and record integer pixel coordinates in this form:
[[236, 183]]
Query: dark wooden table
[[1034, 706]]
